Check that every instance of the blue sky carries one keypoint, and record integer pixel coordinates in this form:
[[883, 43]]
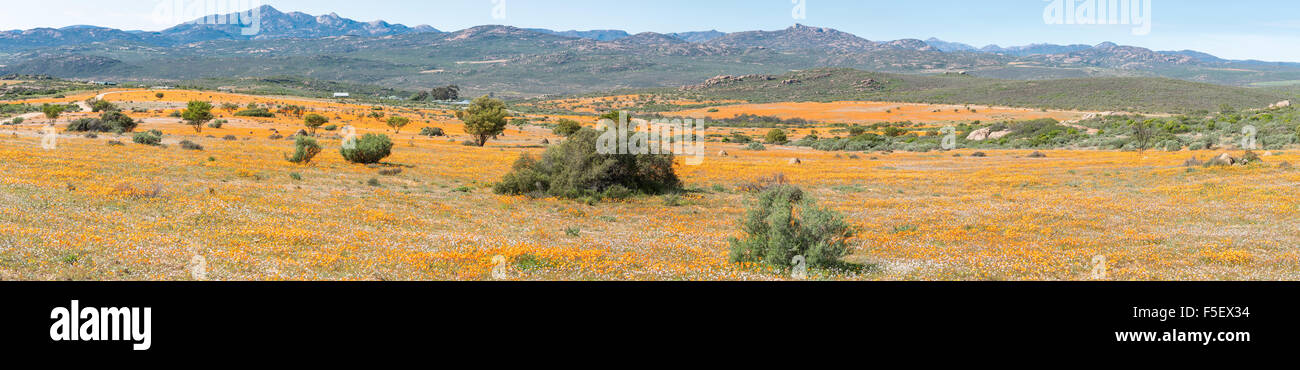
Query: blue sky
[[1241, 29]]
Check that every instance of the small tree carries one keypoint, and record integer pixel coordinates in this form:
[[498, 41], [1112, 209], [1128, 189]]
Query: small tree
[[567, 127], [1142, 133], [397, 122], [314, 121], [378, 116], [449, 92], [776, 136], [485, 118], [196, 114], [159, 95], [230, 107], [782, 223], [53, 111], [305, 148]]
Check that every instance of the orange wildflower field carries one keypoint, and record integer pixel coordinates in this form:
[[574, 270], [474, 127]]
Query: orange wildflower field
[[92, 211]]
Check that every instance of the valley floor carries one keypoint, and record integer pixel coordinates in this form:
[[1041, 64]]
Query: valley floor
[[87, 210]]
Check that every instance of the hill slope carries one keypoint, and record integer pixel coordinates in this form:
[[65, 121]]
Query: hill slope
[[1138, 94]]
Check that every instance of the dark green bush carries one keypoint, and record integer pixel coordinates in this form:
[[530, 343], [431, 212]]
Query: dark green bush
[[370, 148], [566, 127], [255, 112], [147, 138], [432, 131], [109, 121], [775, 233], [574, 169], [776, 136], [190, 145], [305, 148]]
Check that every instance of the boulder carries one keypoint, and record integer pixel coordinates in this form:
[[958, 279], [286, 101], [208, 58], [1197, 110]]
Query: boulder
[[999, 134], [795, 161], [1222, 160], [987, 133], [722, 153]]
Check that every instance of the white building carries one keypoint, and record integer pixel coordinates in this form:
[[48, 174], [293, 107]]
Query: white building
[[341, 95]]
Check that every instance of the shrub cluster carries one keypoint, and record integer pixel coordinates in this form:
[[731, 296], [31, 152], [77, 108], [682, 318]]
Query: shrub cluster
[[370, 148], [574, 169], [110, 121]]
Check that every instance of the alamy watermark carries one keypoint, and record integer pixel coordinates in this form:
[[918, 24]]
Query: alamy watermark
[[247, 14], [49, 137], [800, 10], [349, 134], [1101, 12], [684, 137], [949, 141], [498, 9]]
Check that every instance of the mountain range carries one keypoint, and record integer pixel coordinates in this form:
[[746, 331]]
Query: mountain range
[[529, 62]]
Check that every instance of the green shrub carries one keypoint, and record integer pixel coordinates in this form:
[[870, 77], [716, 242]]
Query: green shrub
[[755, 146], [432, 132], [305, 148], [255, 112], [776, 136], [329, 127], [295, 176], [567, 127], [190, 145], [110, 121], [147, 138], [217, 123], [102, 106], [574, 170], [370, 148], [775, 233]]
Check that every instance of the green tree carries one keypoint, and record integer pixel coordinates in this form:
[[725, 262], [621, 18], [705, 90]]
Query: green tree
[[567, 127], [485, 118], [53, 111], [196, 114], [398, 122], [314, 121]]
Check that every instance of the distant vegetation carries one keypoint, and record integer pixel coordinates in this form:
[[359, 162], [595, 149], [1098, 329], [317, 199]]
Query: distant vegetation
[[1133, 94], [1273, 129]]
